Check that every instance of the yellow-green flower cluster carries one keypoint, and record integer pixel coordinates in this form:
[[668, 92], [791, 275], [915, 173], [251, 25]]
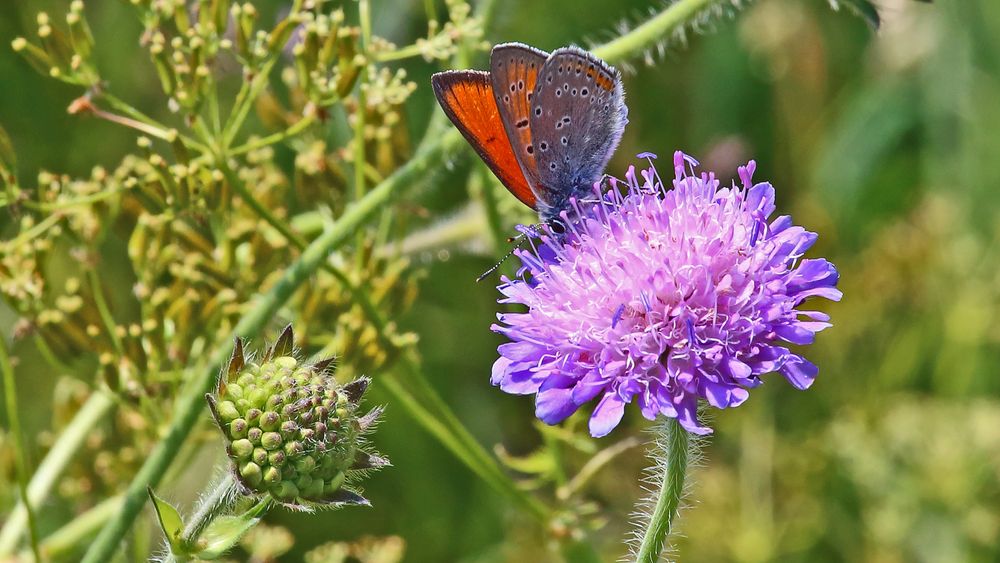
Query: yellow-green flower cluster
[[292, 431]]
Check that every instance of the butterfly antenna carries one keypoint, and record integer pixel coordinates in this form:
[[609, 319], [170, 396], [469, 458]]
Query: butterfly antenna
[[520, 240]]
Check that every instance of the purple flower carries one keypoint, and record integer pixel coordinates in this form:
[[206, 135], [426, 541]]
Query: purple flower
[[662, 296]]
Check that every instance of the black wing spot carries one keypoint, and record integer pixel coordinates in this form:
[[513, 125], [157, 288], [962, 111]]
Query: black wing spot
[[558, 92], [559, 124], [521, 124], [520, 85], [584, 92], [543, 145], [552, 166], [529, 96], [513, 87], [538, 111], [548, 79], [566, 119], [506, 99], [573, 92], [564, 141], [530, 149]]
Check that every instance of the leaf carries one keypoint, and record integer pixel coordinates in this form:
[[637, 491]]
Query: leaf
[[284, 344], [538, 462], [345, 497], [365, 460], [225, 531], [863, 9], [170, 522], [236, 363], [569, 435], [356, 389]]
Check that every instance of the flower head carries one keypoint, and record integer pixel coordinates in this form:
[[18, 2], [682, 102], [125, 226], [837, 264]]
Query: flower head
[[291, 430], [662, 296]]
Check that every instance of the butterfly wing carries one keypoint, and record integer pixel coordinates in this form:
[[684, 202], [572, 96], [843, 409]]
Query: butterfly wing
[[467, 99], [514, 69], [577, 118]]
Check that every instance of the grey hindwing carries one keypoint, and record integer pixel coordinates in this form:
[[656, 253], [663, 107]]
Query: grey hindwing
[[578, 114]]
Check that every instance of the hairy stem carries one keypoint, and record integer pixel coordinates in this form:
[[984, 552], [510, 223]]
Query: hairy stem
[[51, 468], [674, 16], [210, 506], [14, 422], [672, 461]]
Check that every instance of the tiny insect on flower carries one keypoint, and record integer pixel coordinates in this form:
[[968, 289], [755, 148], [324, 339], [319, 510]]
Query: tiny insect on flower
[[664, 296]]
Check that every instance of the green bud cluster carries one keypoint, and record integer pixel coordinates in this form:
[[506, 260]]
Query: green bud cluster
[[291, 430]]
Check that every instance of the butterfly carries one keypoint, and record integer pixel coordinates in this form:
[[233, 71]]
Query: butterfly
[[545, 124]]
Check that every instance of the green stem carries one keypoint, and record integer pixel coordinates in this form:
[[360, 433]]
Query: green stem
[[192, 402], [246, 96], [102, 308], [643, 37], [14, 421], [292, 130], [81, 528], [213, 504], [51, 468], [597, 462], [241, 189], [673, 440], [360, 158], [63, 204], [127, 109], [398, 54]]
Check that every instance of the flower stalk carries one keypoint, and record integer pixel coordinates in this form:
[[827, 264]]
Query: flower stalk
[[670, 455], [14, 422]]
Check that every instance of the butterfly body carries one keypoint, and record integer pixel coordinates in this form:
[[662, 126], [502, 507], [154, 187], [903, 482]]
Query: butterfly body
[[553, 124]]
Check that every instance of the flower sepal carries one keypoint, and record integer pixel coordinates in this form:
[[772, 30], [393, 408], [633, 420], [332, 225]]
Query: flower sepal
[[226, 531]]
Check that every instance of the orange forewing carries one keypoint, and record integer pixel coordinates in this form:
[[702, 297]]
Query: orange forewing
[[467, 99], [513, 72]]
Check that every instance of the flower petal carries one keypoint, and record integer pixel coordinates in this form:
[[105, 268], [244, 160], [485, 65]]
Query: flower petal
[[607, 415], [799, 371]]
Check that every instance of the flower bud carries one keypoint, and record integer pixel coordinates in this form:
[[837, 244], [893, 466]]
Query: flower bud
[[294, 433]]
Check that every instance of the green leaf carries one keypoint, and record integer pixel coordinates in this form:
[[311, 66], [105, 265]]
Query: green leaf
[[170, 522], [225, 531], [569, 435], [538, 462]]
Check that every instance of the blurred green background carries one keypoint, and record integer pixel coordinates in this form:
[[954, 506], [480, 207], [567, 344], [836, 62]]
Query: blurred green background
[[887, 144]]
